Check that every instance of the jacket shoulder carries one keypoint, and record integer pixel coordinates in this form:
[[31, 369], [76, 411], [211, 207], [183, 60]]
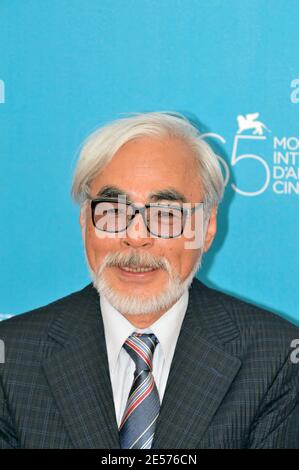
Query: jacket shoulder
[[38, 320], [246, 315]]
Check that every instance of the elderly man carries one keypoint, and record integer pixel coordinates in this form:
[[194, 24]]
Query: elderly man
[[146, 356]]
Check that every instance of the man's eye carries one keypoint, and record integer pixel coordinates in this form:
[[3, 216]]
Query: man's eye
[[116, 211], [167, 215]]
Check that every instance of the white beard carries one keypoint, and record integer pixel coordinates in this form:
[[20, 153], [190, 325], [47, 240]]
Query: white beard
[[141, 305]]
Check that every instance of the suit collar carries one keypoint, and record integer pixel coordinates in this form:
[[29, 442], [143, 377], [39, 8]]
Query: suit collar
[[166, 328], [200, 375], [78, 374], [201, 372]]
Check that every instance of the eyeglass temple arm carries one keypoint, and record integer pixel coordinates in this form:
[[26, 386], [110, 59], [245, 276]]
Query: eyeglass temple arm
[[191, 211]]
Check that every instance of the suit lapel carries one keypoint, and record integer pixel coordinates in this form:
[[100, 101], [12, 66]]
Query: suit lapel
[[79, 378], [200, 374]]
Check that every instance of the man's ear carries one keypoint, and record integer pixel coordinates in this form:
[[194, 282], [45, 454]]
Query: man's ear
[[82, 217], [211, 229]]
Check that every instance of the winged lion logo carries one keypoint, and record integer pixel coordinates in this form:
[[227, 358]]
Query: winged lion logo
[[249, 121]]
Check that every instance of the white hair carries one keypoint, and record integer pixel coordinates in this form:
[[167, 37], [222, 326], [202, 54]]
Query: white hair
[[100, 147]]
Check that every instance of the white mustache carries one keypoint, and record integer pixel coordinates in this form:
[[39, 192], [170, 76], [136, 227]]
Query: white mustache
[[135, 260]]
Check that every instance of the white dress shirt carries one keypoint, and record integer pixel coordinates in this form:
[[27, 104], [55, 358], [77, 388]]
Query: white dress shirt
[[121, 366]]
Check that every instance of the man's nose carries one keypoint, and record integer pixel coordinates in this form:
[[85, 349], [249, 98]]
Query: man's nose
[[137, 233]]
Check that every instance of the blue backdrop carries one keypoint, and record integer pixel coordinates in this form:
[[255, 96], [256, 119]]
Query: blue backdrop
[[68, 66]]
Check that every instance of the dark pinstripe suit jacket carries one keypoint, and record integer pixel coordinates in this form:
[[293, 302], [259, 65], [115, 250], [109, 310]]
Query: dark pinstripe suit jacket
[[231, 384]]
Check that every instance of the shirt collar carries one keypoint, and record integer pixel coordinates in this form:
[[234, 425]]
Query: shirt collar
[[166, 328]]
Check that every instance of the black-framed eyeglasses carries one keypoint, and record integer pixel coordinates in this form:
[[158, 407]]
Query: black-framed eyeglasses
[[161, 220]]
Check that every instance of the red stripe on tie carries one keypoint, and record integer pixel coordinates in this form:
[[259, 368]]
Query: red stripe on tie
[[137, 402], [140, 352]]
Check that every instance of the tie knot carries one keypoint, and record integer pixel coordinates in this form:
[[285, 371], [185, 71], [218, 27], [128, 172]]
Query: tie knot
[[141, 348]]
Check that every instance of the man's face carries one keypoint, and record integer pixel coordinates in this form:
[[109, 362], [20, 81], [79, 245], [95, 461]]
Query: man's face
[[141, 169]]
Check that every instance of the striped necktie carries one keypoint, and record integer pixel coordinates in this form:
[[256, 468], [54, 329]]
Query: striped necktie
[[138, 424]]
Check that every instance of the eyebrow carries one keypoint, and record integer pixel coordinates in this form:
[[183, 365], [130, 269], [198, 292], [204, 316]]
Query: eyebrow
[[113, 192], [167, 194]]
